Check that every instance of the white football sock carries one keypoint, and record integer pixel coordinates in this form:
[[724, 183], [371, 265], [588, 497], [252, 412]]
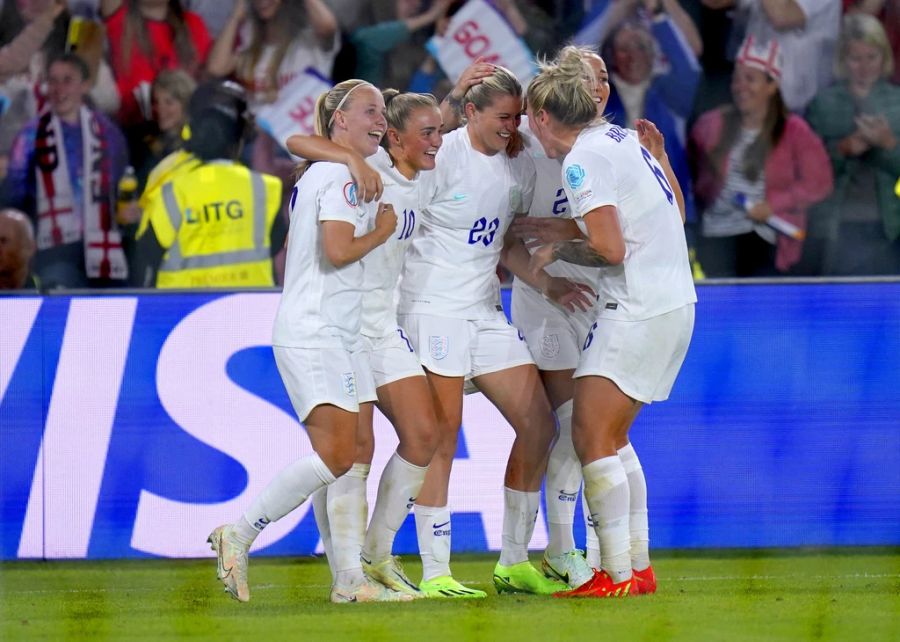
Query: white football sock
[[348, 512], [397, 492], [290, 488], [606, 487], [520, 509], [591, 544], [319, 501], [638, 523], [433, 532], [563, 481]]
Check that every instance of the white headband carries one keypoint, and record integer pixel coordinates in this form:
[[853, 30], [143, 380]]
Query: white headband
[[344, 99]]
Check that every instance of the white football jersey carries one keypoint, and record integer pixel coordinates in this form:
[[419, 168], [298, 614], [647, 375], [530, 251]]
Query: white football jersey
[[550, 201], [382, 266], [607, 166], [320, 304], [450, 269]]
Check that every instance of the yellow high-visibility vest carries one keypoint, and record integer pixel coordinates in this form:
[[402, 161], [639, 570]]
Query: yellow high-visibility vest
[[214, 222]]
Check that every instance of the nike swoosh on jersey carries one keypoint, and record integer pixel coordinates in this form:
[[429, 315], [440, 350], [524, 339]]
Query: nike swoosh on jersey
[[459, 197], [440, 525]]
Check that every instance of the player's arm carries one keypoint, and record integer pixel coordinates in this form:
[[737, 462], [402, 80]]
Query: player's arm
[[540, 230], [784, 14], [452, 108], [318, 148], [342, 248], [569, 294], [651, 138], [604, 246]]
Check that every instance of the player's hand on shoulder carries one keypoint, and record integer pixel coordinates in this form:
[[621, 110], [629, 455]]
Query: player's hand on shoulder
[[369, 185]]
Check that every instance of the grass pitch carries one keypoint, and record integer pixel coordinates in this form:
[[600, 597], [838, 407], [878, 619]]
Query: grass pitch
[[846, 594]]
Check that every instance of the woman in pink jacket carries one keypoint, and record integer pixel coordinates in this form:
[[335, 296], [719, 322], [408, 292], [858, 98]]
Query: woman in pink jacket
[[758, 168]]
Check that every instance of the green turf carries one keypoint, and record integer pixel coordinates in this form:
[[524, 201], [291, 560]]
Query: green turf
[[847, 595]]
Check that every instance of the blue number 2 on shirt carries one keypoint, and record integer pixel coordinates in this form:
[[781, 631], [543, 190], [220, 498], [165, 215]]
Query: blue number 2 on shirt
[[483, 232], [660, 176]]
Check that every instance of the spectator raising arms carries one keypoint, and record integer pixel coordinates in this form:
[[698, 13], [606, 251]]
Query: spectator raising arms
[[146, 37], [806, 31], [44, 26], [284, 38], [755, 160], [859, 119], [662, 93]]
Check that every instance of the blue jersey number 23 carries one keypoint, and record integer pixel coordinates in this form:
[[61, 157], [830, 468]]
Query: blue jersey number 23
[[483, 231]]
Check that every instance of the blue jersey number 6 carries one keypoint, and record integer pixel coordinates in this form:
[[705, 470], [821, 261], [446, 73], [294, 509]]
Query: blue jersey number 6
[[660, 176]]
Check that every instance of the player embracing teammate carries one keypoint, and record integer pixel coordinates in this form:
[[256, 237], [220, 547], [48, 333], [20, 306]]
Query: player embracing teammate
[[467, 191]]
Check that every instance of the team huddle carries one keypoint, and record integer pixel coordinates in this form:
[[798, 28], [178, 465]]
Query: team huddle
[[391, 297]]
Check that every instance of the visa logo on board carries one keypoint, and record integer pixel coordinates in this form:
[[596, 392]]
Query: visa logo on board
[[132, 425]]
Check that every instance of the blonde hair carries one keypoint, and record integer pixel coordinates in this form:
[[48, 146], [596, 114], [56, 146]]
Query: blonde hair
[[398, 108], [327, 104], [501, 83], [333, 100], [564, 89], [178, 83], [862, 27]]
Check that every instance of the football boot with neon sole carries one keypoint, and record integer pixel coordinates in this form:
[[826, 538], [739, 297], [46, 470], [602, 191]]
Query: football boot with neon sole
[[524, 578], [231, 562], [644, 582], [445, 587], [390, 573], [601, 585], [570, 567]]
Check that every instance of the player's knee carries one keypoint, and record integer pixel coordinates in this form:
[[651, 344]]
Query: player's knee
[[338, 460], [427, 440]]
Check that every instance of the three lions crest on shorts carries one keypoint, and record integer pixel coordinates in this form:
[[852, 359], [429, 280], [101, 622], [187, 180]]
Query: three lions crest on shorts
[[550, 346], [438, 347]]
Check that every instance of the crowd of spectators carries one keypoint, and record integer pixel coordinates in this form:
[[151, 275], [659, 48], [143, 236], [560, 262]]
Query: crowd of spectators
[[773, 111]]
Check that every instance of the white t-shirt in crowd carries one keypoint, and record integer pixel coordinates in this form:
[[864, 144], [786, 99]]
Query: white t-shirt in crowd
[[305, 51], [320, 303], [807, 53], [607, 166], [382, 266], [451, 265]]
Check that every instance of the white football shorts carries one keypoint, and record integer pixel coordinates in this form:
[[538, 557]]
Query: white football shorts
[[553, 335], [318, 376], [641, 357], [462, 347], [392, 358]]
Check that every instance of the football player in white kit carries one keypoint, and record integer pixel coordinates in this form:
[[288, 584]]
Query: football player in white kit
[[629, 210], [316, 340], [450, 308], [413, 138], [555, 335]]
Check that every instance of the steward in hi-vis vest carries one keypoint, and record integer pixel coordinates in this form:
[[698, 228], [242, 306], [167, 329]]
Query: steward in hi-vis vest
[[215, 224]]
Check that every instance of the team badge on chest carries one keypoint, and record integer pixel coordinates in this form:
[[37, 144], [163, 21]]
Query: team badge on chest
[[438, 347]]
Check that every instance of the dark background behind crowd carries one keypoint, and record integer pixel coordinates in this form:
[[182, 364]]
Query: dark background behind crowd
[[802, 133]]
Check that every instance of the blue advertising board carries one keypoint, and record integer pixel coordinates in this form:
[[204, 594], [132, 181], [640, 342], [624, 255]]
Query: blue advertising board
[[132, 424]]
